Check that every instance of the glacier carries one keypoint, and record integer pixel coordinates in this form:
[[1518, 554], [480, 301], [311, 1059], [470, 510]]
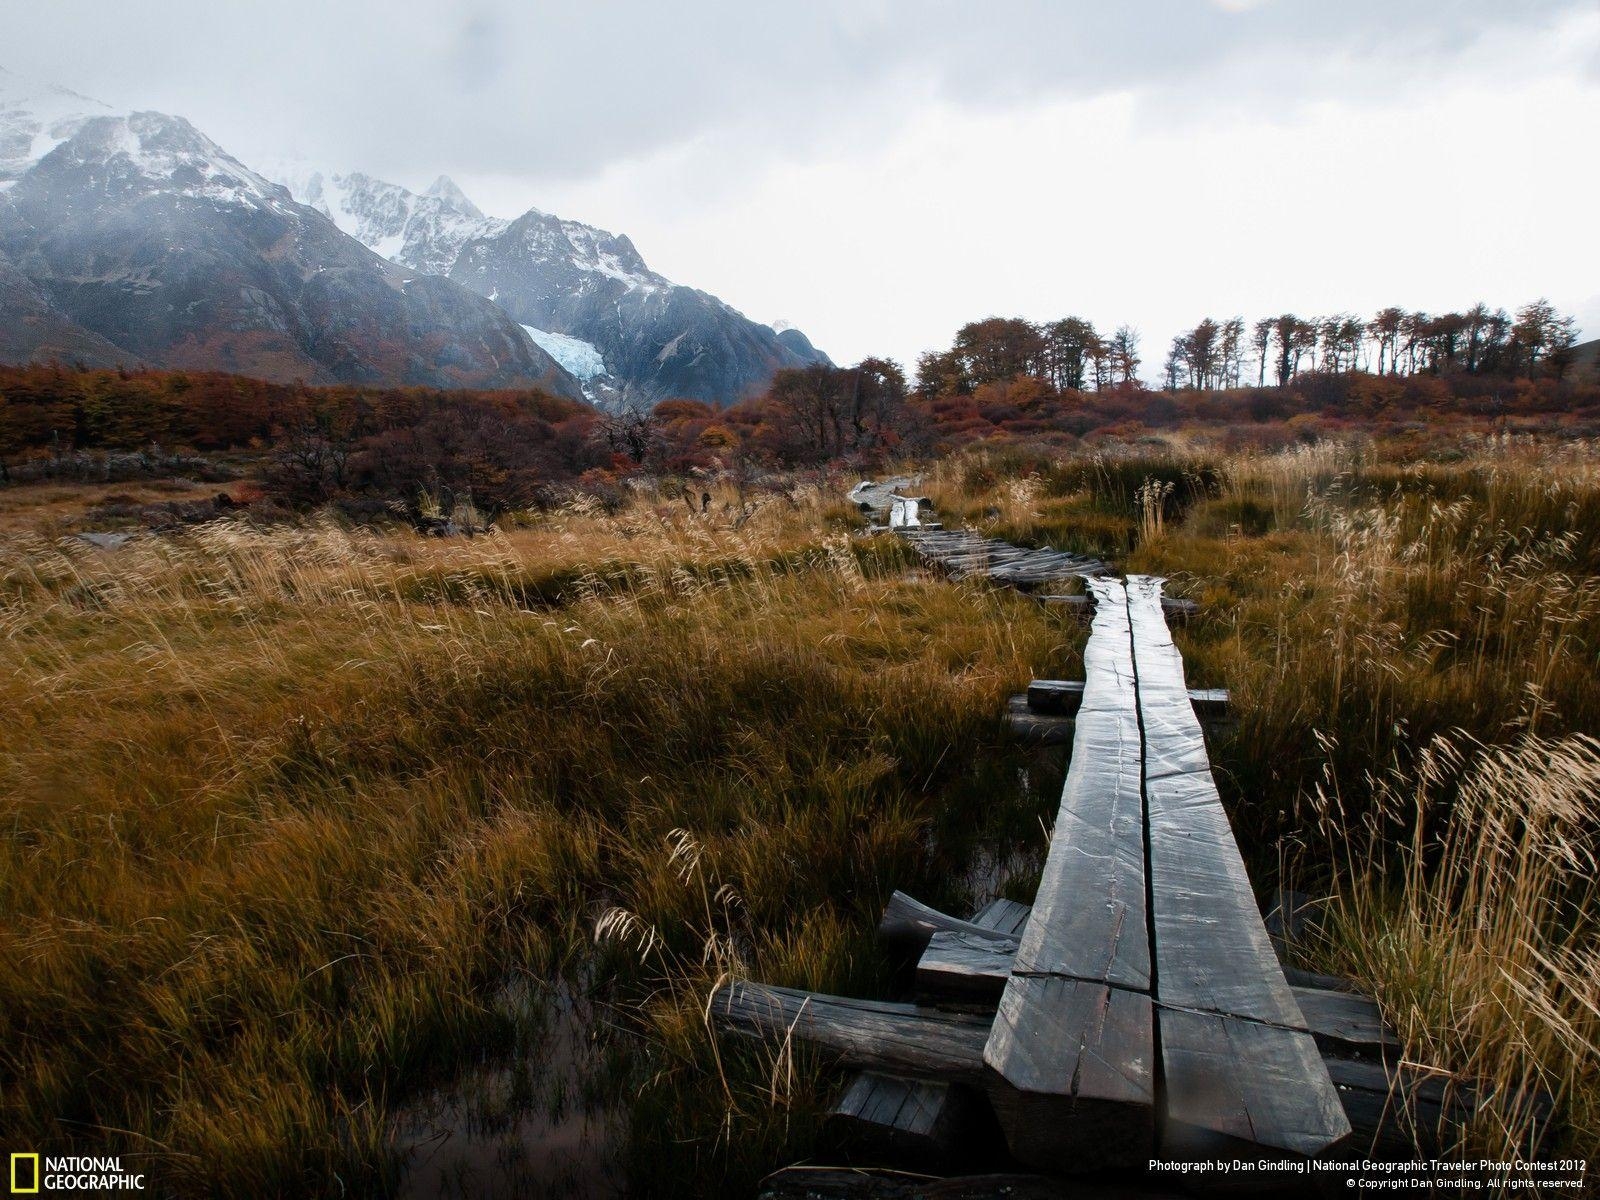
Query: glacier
[[578, 358]]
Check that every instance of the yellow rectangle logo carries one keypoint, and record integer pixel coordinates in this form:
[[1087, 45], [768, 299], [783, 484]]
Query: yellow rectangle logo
[[20, 1187]]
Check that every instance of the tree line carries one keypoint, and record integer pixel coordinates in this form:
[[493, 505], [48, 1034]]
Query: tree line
[[1068, 354], [1481, 341]]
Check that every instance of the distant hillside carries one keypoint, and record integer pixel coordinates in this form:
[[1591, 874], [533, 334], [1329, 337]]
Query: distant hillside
[[1586, 360]]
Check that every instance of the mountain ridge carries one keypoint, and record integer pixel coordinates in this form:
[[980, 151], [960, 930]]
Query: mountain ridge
[[564, 278], [137, 232]]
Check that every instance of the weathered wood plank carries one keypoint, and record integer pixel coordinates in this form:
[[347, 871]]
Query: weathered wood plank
[[1088, 918], [1072, 1076], [1310, 979], [1233, 1084], [1344, 1023], [1072, 1053], [1003, 916], [907, 925], [1063, 697], [956, 964], [900, 1039], [1236, 1060], [1212, 949], [920, 1120]]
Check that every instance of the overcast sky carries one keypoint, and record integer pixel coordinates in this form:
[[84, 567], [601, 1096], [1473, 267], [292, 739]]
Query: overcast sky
[[880, 171]]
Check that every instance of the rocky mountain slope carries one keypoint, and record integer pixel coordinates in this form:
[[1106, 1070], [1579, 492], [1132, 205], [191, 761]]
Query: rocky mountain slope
[[138, 232], [563, 279], [32, 329]]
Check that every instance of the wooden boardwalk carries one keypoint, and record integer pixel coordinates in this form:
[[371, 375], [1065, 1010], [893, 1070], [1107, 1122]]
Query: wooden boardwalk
[[1137, 1008], [963, 554]]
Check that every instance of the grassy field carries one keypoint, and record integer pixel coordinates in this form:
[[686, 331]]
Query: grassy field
[[290, 813]]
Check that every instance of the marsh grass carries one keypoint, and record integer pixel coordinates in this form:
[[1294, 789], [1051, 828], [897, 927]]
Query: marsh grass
[[284, 811], [1465, 895]]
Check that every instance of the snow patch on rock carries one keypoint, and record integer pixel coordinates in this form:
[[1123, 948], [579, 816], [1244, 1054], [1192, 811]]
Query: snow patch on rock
[[578, 358]]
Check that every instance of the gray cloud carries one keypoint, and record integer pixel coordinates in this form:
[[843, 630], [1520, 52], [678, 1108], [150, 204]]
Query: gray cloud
[[552, 91]]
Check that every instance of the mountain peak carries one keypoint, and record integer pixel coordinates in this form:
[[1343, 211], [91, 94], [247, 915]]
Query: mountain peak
[[35, 118], [444, 189]]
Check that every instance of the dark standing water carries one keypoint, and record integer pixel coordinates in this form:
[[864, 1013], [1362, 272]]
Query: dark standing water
[[544, 1124]]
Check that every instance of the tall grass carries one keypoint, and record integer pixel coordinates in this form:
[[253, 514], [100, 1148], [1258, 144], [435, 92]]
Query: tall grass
[[284, 811], [1466, 897]]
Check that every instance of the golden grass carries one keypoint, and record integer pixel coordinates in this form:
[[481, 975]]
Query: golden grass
[[285, 810]]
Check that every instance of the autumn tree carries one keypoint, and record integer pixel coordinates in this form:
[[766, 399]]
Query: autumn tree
[[1125, 354]]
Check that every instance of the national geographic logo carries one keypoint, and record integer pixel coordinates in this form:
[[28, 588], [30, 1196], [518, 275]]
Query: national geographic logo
[[32, 1174], [24, 1174]]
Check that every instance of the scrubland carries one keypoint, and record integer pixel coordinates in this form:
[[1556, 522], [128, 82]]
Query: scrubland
[[288, 812]]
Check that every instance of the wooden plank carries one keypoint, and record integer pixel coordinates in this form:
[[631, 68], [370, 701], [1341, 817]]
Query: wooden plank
[[1003, 916], [1073, 1073], [1257, 1079], [900, 1039], [1233, 1084], [1062, 697], [1344, 1023], [955, 964], [1310, 979], [1072, 1053], [907, 925], [1088, 919], [895, 1117], [974, 969], [1212, 949]]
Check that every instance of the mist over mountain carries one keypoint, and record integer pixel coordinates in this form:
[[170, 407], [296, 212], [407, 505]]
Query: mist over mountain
[[136, 238], [565, 280]]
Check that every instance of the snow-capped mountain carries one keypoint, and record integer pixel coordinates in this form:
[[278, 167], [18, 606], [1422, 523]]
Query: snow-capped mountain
[[136, 236], [139, 233], [35, 119], [566, 280], [424, 232]]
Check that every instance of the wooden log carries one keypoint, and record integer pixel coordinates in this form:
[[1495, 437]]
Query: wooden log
[[899, 1039], [907, 925], [1238, 1062], [1062, 697], [1088, 920], [1071, 1055], [1036, 728], [977, 969]]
